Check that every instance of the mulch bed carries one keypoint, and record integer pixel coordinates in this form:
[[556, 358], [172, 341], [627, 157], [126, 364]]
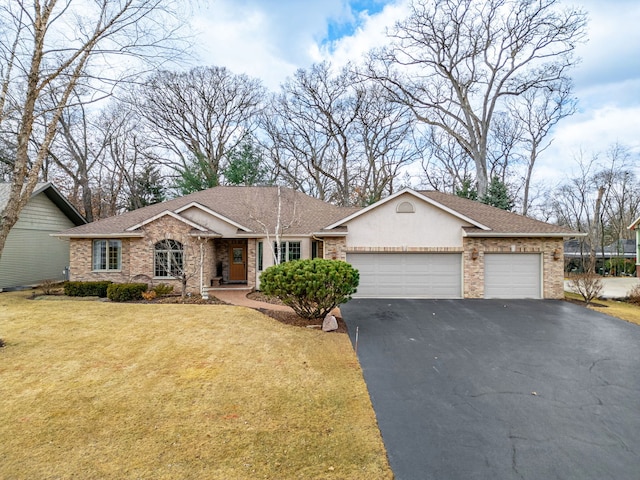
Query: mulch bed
[[291, 318]]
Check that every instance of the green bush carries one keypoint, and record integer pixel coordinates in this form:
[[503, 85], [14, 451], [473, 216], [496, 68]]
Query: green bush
[[163, 289], [311, 287], [86, 289], [125, 292]]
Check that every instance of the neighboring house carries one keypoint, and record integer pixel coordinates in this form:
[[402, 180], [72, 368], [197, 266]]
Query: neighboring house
[[636, 226], [31, 255], [409, 245], [617, 258]]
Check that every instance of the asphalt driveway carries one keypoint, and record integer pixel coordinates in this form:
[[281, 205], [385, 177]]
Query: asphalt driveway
[[491, 389]]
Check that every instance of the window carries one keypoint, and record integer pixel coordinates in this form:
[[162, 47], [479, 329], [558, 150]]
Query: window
[[288, 251], [107, 254], [168, 259], [260, 255], [314, 249]]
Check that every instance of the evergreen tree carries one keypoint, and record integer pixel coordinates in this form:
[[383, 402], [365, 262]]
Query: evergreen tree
[[246, 166], [198, 175], [498, 195], [467, 190]]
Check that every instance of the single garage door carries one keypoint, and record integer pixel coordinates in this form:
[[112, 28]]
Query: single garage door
[[408, 275], [512, 275]]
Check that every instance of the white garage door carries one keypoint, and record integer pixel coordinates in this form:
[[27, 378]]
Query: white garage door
[[512, 275], [408, 275]]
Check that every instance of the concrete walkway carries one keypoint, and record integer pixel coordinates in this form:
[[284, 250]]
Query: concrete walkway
[[613, 287], [239, 298]]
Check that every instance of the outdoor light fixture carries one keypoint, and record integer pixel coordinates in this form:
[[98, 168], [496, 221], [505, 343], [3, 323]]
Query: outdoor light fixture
[[556, 254], [474, 254]]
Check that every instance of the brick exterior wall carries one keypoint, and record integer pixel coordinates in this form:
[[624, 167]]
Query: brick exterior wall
[[138, 256], [552, 270]]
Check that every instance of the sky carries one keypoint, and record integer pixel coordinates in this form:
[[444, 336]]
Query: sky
[[271, 39]]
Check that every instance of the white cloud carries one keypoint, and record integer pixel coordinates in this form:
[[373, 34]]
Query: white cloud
[[370, 34], [589, 133], [268, 39]]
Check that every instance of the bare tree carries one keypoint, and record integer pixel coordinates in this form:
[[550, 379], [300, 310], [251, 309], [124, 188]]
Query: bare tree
[[309, 127], [537, 111], [446, 167], [383, 137], [601, 200], [75, 151], [336, 138], [201, 114], [41, 61], [455, 62]]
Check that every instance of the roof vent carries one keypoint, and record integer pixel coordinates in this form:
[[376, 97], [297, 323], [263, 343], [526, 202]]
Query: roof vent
[[405, 207]]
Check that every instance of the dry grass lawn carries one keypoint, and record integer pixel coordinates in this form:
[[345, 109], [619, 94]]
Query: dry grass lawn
[[621, 310], [113, 391]]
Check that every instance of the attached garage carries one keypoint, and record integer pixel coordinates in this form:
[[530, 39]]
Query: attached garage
[[408, 275], [512, 275]]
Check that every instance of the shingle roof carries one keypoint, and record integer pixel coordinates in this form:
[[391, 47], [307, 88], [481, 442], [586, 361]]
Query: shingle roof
[[500, 222], [251, 207], [52, 193]]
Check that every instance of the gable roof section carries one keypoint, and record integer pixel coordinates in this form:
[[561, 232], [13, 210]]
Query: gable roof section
[[52, 194], [212, 213], [164, 214], [251, 209], [500, 222], [419, 195]]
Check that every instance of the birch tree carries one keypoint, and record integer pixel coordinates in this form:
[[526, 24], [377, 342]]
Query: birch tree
[[51, 47]]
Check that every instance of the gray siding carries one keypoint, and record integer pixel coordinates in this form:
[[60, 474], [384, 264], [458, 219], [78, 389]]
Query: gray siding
[[30, 254]]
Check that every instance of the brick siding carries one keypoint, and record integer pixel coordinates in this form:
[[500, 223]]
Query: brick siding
[[552, 270]]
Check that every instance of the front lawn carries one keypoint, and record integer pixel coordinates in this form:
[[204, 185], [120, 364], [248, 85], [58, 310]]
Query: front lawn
[[622, 310], [113, 391]]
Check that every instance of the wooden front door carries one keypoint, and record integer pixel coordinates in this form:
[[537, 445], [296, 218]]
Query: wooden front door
[[238, 262]]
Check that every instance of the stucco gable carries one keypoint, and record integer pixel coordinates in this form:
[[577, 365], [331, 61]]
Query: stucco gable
[[405, 221], [406, 194]]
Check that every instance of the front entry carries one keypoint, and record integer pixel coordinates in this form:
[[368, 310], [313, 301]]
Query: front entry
[[238, 262]]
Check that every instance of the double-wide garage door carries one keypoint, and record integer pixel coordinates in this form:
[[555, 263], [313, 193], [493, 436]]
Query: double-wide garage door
[[408, 275], [439, 275]]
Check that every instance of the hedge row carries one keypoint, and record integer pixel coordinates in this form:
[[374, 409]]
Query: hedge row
[[125, 292], [118, 292], [86, 289]]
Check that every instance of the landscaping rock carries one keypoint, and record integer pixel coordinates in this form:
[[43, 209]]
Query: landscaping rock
[[329, 324]]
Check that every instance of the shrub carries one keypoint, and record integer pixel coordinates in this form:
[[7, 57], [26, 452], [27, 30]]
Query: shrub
[[148, 296], [163, 289], [587, 284], [634, 295], [86, 289], [311, 287], [49, 287], [124, 292]]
